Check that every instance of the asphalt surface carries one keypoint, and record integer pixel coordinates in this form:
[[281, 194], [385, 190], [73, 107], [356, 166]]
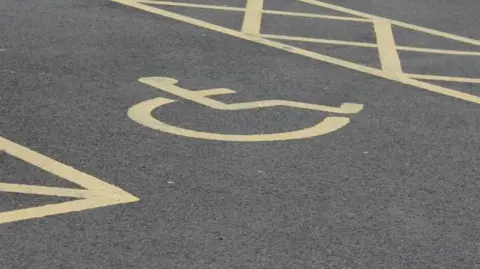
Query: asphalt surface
[[396, 188]]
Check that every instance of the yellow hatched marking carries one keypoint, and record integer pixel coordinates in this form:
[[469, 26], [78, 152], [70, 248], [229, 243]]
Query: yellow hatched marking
[[395, 76], [241, 9], [179, 4], [319, 40], [393, 22], [444, 78], [439, 51]]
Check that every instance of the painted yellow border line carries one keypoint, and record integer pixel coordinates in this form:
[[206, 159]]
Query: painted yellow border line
[[241, 9], [42, 190], [393, 22], [387, 49], [203, 6], [252, 20], [439, 51], [311, 15], [320, 57], [320, 40], [96, 193], [444, 78], [368, 45]]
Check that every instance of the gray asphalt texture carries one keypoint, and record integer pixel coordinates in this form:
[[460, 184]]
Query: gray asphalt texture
[[397, 188]]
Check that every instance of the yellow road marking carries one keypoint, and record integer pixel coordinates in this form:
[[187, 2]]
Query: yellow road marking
[[320, 40], [439, 51], [444, 78], [179, 4], [142, 113], [321, 57], [368, 45], [96, 193], [253, 17], [241, 9], [315, 16], [387, 49], [42, 190], [393, 22]]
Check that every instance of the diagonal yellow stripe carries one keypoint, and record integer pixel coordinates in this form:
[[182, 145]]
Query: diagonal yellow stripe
[[42, 190], [252, 20], [387, 49]]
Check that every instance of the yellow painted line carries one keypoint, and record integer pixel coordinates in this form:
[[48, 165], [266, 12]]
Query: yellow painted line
[[256, 39], [96, 194], [252, 20], [55, 209], [319, 40], [179, 4], [369, 45], [42, 190], [63, 171], [439, 51], [341, 9], [393, 22], [315, 16], [240, 9], [212, 92], [306, 53], [387, 49], [436, 33], [444, 78]]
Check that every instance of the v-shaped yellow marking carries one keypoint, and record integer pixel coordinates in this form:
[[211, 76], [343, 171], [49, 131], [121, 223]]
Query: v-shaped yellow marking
[[96, 193]]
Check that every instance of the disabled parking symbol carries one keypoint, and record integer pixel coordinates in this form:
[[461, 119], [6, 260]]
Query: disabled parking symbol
[[142, 113]]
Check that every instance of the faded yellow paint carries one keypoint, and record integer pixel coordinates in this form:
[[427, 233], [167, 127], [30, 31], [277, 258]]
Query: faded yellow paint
[[390, 64], [142, 113], [240, 9], [320, 40], [96, 193], [444, 78], [368, 45]]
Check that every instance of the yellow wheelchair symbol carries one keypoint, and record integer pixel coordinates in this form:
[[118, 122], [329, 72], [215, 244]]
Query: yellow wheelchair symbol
[[142, 113]]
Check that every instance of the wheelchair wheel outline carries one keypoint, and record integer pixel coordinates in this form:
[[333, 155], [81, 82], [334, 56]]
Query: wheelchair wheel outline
[[142, 114]]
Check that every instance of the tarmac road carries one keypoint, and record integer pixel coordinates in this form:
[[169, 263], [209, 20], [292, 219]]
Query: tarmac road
[[396, 187]]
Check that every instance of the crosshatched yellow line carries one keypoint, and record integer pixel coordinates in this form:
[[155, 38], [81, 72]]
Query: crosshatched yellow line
[[317, 56], [368, 45], [319, 40], [315, 16], [241, 9], [443, 78], [439, 51], [320, 16], [393, 22], [179, 4]]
